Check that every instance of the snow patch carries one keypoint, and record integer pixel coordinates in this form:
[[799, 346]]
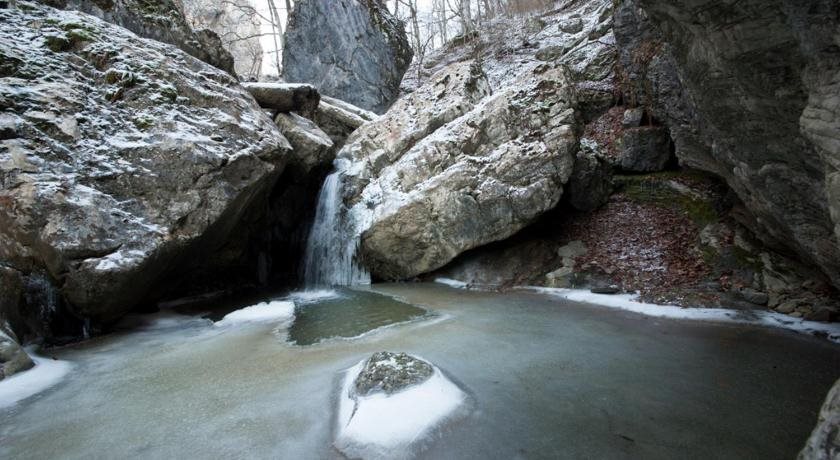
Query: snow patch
[[629, 302], [452, 283], [383, 426], [276, 310], [46, 373]]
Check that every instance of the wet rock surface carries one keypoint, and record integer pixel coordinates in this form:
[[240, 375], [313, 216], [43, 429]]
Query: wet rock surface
[[391, 372], [355, 51]]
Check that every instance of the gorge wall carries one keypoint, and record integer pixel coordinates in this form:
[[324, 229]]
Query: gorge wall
[[751, 93]]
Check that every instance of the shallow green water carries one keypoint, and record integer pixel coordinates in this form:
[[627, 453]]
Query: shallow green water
[[351, 313]]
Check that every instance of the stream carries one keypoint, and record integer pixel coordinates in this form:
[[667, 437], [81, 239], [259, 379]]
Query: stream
[[547, 378]]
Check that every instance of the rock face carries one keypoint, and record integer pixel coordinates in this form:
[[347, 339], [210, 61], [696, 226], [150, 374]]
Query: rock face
[[824, 443], [440, 174], [591, 181], [750, 93], [352, 50], [12, 357], [123, 158], [390, 372], [161, 20], [644, 149]]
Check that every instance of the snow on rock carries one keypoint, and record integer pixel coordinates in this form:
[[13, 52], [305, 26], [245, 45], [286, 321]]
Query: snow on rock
[[277, 310], [46, 373], [390, 424], [125, 159], [628, 302]]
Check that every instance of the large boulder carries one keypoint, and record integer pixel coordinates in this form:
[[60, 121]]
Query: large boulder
[[161, 20], [440, 174], [749, 91], [824, 442], [352, 50], [122, 158]]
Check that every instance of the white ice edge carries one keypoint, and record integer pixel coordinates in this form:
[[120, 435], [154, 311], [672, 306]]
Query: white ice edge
[[452, 283], [313, 296], [46, 373], [382, 426], [276, 310], [630, 303]]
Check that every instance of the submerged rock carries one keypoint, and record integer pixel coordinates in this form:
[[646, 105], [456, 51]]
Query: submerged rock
[[130, 160], [352, 50], [390, 372], [824, 443]]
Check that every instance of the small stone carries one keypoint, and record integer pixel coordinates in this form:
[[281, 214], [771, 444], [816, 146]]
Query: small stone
[[787, 307], [633, 117], [823, 314], [571, 26], [550, 53], [534, 25], [810, 284], [611, 289], [795, 314], [753, 296]]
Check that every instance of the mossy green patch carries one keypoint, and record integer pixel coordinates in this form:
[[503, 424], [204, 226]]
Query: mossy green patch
[[657, 189], [57, 42], [143, 122]]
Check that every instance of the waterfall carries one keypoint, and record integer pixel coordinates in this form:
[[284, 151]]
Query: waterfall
[[330, 258]]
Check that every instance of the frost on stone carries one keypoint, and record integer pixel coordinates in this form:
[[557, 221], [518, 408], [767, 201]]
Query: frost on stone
[[118, 154], [391, 372], [391, 404]]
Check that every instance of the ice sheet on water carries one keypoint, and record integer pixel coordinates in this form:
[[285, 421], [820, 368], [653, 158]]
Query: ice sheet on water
[[276, 310], [630, 302], [314, 296], [452, 283], [46, 373]]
